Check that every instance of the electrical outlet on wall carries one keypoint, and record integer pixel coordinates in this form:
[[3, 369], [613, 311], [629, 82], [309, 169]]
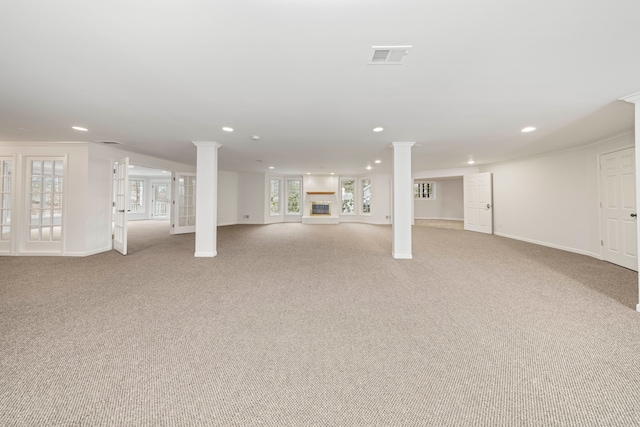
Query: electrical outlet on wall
[[245, 216]]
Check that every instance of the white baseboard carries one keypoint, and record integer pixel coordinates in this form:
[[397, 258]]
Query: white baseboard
[[445, 219], [549, 245], [224, 224], [402, 256], [205, 254], [96, 251]]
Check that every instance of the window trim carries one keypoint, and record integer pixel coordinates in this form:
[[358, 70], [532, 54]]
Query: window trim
[[25, 244], [143, 198], [361, 194], [422, 194], [300, 198], [355, 195], [280, 208]]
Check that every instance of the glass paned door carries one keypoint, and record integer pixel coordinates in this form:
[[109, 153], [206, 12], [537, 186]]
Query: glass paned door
[[6, 175], [183, 214], [45, 195], [122, 207], [161, 201]]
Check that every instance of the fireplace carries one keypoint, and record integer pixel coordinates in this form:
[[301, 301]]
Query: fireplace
[[319, 208]]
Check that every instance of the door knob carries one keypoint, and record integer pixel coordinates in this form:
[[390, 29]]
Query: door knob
[[634, 215], [488, 206]]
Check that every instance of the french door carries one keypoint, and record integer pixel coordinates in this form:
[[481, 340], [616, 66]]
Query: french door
[[6, 185], [161, 201], [183, 212], [121, 181]]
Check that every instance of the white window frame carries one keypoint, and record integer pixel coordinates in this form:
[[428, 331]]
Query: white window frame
[[27, 245], [361, 194], [280, 192], [6, 245], [424, 190], [143, 199], [355, 195], [286, 191]]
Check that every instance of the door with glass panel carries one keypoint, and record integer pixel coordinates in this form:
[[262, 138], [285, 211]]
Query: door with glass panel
[[183, 213], [6, 175], [161, 201], [44, 217], [121, 205]]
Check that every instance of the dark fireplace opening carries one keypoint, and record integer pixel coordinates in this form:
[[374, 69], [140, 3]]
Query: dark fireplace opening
[[321, 208]]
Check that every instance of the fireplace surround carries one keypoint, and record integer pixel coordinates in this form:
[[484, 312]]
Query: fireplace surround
[[320, 208]]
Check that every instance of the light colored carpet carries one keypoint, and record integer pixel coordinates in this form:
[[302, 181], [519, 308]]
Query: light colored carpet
[[440, 223], [302, 325]]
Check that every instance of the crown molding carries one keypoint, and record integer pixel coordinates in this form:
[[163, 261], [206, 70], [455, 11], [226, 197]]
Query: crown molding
[[634, 98], [206, 144]]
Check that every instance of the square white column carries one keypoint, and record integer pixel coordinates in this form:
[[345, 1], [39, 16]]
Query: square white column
[[402, 201], [206, 198]]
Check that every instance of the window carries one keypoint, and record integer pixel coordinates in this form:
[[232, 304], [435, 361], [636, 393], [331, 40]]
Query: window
[[294, 190], [136, 195], [348, 196], [424, 190], [274, 197], [45, 195], [5, 199], [365, 185]]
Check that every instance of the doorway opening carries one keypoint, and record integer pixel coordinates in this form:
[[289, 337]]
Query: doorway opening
[[142, 196]]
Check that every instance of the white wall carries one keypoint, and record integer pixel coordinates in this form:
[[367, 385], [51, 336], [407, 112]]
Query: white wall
[[227, 198], [251, 198], [553, 199], [448, 204]]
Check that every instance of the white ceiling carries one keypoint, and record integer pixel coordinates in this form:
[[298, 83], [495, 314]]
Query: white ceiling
[[155, 75]]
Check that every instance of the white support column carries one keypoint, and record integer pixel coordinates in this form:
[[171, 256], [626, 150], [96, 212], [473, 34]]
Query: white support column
[[635, 99], [402, 194], [206, 198]]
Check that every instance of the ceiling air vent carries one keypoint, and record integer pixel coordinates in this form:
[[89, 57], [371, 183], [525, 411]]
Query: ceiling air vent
[[111, 142], [388, 55]]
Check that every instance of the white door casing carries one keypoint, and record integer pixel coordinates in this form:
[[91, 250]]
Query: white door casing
[[121, 205], [618, 208], [478, 202], [183, 211]]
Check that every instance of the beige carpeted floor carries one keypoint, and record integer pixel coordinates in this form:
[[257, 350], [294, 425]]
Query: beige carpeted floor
[[301, 325]]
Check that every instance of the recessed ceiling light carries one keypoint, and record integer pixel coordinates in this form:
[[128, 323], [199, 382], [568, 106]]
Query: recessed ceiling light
[[369, 167], [165, 171], [332, 173], [378, 161], [528, 129], [255, 137], [378, 129], [271, 167], [470, 162], [308, 173], [227, 129], [81, 129]]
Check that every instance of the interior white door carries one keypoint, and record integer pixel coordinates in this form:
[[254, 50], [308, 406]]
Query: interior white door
[[121, 205], [618, 208], [478, 202], [183, 213]]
